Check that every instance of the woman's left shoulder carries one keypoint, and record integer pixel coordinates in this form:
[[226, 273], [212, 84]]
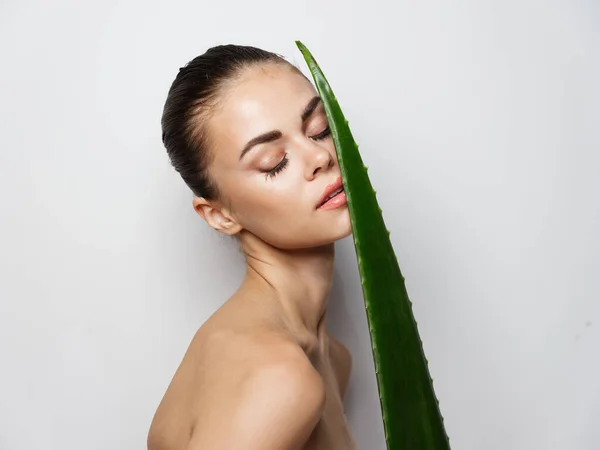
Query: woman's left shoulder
[[341, 361]]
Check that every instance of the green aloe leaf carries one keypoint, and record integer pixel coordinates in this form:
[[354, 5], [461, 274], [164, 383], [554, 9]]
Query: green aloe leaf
[[410, 411]]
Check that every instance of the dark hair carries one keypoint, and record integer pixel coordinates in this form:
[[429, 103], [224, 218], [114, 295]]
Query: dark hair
[[192, 96]]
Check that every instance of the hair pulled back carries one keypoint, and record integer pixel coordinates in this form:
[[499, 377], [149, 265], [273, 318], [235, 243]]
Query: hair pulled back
[[192, 96]]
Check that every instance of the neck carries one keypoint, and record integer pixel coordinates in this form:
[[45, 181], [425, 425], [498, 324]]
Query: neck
[[296, 283]]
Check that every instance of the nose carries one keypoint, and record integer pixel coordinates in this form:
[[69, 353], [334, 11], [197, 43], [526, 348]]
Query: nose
[[318, 159]]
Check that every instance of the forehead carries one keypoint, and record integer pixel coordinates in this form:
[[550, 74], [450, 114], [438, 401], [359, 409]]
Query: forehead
[[262, 99]]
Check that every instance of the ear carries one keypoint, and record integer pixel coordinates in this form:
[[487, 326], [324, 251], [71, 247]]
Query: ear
[[216, 216]]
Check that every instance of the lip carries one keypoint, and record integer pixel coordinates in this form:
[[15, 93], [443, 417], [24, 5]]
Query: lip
[[329, 189]]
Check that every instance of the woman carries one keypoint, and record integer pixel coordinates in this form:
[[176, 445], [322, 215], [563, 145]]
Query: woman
[[248, 134]]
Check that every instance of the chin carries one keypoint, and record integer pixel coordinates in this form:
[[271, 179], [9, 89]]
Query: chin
[[346, 230], [341, 229], [316, 234], [313, 240]]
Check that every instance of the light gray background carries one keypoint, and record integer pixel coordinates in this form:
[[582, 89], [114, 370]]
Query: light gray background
[[479, 121]]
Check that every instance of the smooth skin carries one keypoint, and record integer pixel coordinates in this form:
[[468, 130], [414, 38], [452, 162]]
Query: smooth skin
[[262, 373]]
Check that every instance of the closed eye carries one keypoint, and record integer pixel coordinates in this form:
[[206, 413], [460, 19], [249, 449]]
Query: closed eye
[[322, 135], [278, 168]]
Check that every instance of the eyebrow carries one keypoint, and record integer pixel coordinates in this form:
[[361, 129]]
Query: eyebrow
[[263, 138], [271, 136], [310, 108]]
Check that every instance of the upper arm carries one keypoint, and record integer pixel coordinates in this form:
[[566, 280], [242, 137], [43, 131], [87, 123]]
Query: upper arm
[[276, 408], [341, 361]]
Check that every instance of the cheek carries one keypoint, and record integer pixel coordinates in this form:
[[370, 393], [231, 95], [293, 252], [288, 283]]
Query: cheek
[[331, 148], [261, 203]]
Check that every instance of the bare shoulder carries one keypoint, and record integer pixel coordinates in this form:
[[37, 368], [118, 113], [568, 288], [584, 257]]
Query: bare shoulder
[[341, 361], [264, 395], [235, 387]]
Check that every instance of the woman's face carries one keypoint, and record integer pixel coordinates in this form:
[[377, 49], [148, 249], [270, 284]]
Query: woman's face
[[273, 159]]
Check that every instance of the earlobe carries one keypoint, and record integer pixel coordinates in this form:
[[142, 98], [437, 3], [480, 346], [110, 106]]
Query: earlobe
[[230, 227], [216, 217]]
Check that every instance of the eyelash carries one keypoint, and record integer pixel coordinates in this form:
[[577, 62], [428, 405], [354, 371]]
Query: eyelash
[[322, 135], [284, 162], [278, 168]]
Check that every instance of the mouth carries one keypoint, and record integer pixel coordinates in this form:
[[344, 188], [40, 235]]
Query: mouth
[[333, 196]]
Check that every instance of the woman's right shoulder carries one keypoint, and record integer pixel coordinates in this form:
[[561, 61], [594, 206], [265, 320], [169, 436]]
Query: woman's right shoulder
[[245, 349], [251, 354], [238, 335], [258, 388]]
